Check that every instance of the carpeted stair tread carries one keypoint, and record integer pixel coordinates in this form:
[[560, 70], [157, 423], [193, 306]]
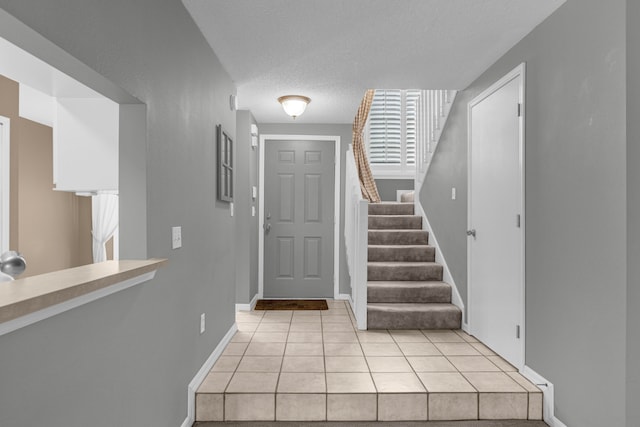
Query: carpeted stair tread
[[391, 208], [408, 292], [408, 253], [398, 237], [413, 316], [405, 288], [392, 222], [420, 271]]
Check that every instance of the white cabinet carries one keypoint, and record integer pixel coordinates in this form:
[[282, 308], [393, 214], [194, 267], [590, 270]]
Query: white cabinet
[[85, 144]]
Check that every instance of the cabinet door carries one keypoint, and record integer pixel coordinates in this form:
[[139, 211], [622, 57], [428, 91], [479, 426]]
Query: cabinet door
[[85, 142]]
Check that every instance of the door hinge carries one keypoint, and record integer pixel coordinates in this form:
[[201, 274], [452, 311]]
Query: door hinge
[[519, 110], [518, 331], [518, 220]]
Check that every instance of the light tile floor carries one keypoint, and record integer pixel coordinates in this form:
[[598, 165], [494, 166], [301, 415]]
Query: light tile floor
[[316, 366]]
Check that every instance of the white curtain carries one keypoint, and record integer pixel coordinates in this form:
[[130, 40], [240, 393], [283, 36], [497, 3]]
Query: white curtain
[[104, 223]]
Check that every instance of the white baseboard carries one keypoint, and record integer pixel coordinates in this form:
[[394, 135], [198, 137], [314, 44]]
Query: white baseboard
[[343, 297], [456, 299], [465, 327], [248, 307], [202, 373], [547, 393]]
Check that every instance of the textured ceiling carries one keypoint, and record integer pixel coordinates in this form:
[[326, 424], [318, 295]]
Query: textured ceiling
[[333, 50]]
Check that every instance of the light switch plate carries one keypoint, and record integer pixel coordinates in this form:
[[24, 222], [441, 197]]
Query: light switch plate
[[453, 193], [231, 208], [253, 211], [202, 323], [176, 237], [254, 192]]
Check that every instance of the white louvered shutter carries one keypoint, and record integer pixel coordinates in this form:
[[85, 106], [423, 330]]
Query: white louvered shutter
[[385, 128], [411, 120], [392, 129]]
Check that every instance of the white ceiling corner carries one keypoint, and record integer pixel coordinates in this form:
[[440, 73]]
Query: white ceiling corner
[[333, 50]]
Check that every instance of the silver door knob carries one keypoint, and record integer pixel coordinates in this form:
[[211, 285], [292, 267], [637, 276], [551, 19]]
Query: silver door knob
[[267, 227], [471, 233]]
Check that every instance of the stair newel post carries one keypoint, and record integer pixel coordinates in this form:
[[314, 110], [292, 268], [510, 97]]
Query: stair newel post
[[362, 247]]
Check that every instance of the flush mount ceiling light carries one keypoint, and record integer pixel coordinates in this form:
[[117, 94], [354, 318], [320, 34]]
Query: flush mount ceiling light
[[294, 105]]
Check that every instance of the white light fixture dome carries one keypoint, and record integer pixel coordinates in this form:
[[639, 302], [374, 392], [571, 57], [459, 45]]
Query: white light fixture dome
[[294, 105]]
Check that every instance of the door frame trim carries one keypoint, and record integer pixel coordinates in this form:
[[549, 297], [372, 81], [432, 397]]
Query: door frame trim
[[336, 223], [5, 182], [517, 72]]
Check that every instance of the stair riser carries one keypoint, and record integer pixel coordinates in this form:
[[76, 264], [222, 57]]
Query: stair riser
[[391, 209], [399, 253], [404, 222], [409, 294], [417, 237], [404, 273], [414, 320]]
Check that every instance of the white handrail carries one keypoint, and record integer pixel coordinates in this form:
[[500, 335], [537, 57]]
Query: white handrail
[[356, 232]]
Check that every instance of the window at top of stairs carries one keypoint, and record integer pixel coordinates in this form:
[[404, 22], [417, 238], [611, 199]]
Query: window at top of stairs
[[391, 133]]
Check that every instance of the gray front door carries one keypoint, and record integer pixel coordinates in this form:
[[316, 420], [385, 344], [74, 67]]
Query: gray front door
[[299, 219]]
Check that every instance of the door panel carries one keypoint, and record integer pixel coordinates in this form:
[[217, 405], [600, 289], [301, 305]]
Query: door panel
[[287, 196], [495, 191], [285, 257], [312, 257], [312, 198], [299, 205]]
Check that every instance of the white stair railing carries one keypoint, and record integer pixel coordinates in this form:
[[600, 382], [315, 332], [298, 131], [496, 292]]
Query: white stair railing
[[433, 110], [356, 232]]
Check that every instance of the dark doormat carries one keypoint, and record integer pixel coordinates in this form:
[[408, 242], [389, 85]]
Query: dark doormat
[[292, 304]]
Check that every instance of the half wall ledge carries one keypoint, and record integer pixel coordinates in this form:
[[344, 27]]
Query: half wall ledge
[[30, 300]]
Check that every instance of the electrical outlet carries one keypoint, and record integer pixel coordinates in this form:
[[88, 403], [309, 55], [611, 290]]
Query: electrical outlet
[[176, 237], [253, 211], [202, 323]]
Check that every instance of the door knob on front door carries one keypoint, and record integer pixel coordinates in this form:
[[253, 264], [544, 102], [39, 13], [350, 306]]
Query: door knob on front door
[[471, 232], [267, 227]]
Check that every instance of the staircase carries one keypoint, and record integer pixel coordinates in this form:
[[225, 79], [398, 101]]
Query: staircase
[[404, 283]]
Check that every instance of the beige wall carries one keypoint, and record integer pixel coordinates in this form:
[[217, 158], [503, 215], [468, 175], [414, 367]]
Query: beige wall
[[52, 229]]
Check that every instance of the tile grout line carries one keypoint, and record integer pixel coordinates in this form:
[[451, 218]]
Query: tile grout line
[[275, 393], [224, 393]]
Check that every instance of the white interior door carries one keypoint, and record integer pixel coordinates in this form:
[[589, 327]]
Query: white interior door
[[496, 227]]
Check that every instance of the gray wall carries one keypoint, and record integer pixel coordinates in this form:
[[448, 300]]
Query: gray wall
[[633, 213], [448, 169], [575, 196], [387, 188], [132, 179], [246, 176], [344, 131], [126, 360]]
